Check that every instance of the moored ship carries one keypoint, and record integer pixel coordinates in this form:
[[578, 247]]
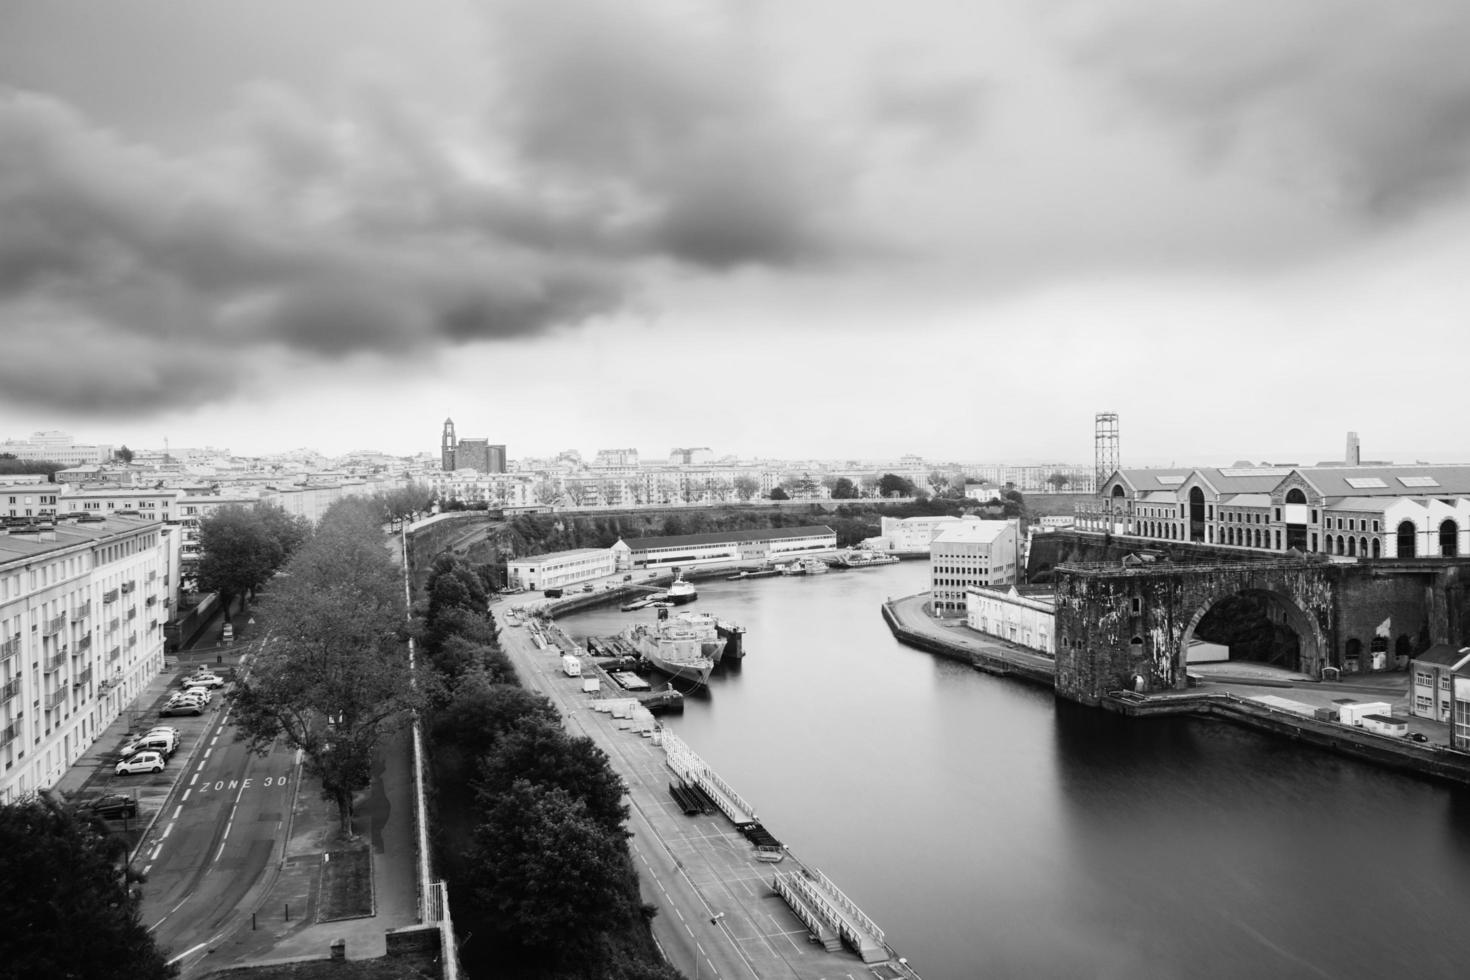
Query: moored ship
[[684, 647], [681, 592], [863, 557]]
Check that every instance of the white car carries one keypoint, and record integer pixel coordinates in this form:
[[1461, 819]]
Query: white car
[[163, 744], [197, 695], [141, 762], [164, 730], [204, 679]]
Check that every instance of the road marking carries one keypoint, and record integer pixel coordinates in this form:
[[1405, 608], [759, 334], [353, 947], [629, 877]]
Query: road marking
[[186, 953], [164, 836], [194, 778], [186, 794]]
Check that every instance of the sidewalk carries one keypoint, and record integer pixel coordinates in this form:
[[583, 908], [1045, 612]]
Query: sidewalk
[[384, 817]]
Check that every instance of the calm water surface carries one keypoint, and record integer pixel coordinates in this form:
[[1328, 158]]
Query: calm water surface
[[993, 831]]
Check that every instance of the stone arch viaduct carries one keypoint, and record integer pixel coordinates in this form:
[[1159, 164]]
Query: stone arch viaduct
[[1122, 626]]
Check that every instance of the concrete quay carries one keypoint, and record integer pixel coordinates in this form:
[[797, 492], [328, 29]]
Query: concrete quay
[[1225, 691], [720, 914]]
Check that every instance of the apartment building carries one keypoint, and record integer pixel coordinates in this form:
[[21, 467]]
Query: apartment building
[[82, 608]]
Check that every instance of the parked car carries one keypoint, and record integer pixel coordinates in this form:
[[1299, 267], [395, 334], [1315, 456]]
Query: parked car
[[164, 730], [1417, 737], [181, 708], [142, 762], [203, 694], [162, 744], [114, 806], [204, 678]]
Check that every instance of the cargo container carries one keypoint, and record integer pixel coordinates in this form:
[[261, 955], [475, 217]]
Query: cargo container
[[571, 666], [1354, 713]]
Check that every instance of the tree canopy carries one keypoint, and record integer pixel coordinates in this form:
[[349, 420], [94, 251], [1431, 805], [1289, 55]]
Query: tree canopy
[[242, 547], [778, 493], [333, 679], [70, 910], [893, 485]]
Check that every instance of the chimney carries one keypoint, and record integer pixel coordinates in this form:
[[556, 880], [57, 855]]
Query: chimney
[[1354, 455]]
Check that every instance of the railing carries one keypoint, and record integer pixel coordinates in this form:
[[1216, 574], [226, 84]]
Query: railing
[[133, 640], [150, 600], [11, 733], [850, 907], [54, 625], [128, 586], [110, 595], [153, 575], [113, 654], [10, 690], [85, 643], [113, 624], [55, 698], [81, 612], [133, 613], [10, 647], [55, 662], [85, 677]]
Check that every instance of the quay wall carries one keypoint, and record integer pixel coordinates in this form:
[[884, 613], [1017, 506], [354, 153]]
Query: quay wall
[[1436, 762]]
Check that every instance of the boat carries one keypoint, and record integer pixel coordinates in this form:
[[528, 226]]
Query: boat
[[748, 573], [682, 649], [795, 568], [863, 557], [636, 604], [813, 566], [681, 592]]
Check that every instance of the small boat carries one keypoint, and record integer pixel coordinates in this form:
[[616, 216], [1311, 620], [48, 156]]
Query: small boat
[[864, 557], [814, 567], [635, 604], [681, 592]]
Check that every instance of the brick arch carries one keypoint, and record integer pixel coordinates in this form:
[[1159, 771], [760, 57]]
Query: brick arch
[[1312, 642]]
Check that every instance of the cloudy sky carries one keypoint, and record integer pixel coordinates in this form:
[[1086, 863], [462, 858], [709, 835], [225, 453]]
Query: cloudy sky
[[781, 227]]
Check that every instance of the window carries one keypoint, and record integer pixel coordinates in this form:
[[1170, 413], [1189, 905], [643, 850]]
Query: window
[[1422, 703], [1423, 678]]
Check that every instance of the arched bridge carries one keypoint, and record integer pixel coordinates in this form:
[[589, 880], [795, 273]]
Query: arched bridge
[[1121, 626]]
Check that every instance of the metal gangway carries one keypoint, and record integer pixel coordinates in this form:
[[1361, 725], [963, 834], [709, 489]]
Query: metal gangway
[[692, 769], [831, 915]]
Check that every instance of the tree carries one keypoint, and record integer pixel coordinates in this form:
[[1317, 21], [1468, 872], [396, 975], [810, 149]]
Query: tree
[[70, 908], [777, 493], [1058, 480], [124, 454], [893, 485], [543, 753], [544, 491], [540, 861], [844, 489], [746, 487], [236, 555], [334, 681], [1013, 504]]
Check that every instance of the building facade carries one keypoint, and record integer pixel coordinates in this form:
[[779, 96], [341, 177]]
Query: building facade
[[82, 608], [22, 498], [1431, 681], [1027, 619], [559, 568], [972, 554], [767, 545]]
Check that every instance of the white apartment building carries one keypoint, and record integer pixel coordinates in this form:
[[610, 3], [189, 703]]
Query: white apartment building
[[913, 535], [82, 608], [971, 555], [559, 568], [747, 547], [56, 447], [22, 497], [1004, 611]]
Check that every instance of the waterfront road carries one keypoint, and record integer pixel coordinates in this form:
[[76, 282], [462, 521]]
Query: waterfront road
[[718, 915]]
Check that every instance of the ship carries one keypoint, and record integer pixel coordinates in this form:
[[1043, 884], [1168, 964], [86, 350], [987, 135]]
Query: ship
[[681, 592], [683, 647], [863, 557], [814, 566]]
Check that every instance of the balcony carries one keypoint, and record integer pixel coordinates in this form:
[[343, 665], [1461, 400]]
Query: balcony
[[113, 624], [150, 600], [9, 692], [133, 640], [133, 613], [85, 643], [128, 586], [11, 733], [55, 662], [10, 648], [85, 677], [56, 698], [54, 625], [110, 595], [153, 575], [113, 654], [81, 612]]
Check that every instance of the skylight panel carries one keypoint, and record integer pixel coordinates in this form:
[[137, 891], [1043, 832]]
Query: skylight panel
[[1170, 481], [1366, 483], [1418, 481]]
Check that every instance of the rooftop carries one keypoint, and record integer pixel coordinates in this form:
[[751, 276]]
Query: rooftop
[[721, 537]]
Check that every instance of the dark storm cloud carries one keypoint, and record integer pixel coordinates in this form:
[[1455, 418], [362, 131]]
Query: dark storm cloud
[[292, 242], [1368, 101], [679, 121]]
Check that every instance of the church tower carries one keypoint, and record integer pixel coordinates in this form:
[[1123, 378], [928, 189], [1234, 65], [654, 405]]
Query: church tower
[[446, 447]]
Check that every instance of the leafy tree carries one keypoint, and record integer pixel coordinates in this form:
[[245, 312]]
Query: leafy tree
[[1058, 480], [544, 754], [1013, 504], [541, 862], [844, 489], [778, 493], [123, 454], [544, 491], [334, 680], [893, 485], [405, 502], [236, 553], [745, 486], [70, 908]]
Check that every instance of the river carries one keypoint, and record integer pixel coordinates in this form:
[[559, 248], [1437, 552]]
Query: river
[[993, 831]]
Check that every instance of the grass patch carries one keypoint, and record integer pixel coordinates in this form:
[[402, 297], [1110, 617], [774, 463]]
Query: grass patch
[[347, 883]]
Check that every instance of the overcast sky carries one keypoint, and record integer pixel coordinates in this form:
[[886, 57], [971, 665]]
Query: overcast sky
[[771, 227]]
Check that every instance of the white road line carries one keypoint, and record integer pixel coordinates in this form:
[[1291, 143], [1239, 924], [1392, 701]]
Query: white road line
[[186, 794], [177, 810], [186, 953], [194, 778], [164, 836]]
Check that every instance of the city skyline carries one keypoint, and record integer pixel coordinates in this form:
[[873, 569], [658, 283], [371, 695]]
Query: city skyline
[[790, 232]]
